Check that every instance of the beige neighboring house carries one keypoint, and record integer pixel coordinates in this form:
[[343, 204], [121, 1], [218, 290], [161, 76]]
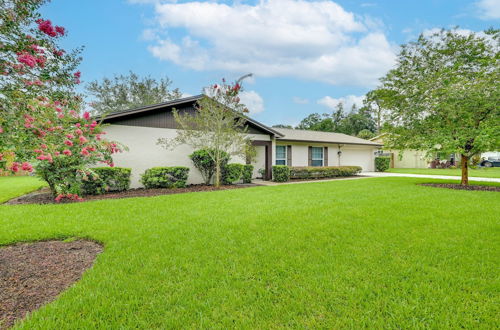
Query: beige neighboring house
[[139, 130], [405, 159]]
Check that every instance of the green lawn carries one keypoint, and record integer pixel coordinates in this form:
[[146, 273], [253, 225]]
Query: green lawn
[[11, 187], [368, 253], [492, 172]]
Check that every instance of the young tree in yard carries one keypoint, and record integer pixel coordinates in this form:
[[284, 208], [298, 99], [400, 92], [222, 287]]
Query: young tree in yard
[[217, 126], [40, 121], [129, 91], [444, 94]]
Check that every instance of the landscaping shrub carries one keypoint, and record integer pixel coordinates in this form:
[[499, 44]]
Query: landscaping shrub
[[247, 173], [165, 177], [281, 173], [232, 173], [382, 163], [205, 164], [103, 179], [312, 172]]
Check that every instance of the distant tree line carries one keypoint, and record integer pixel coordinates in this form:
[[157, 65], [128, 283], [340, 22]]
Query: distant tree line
[[363, 122]]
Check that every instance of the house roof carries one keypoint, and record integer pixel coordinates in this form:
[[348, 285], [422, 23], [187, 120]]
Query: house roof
[[185, 100], [299, 135]]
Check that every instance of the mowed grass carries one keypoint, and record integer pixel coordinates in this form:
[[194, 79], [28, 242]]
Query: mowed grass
[[368, 253], [484, 172], [11, 187]]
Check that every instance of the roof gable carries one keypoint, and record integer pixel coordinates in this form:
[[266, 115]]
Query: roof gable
[[160, 116]]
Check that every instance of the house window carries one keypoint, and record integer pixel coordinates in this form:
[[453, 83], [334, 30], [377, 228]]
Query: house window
[[280, 155], [317, 156]]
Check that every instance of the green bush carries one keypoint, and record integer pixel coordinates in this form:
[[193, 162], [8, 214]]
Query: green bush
[[281, 173], [247, 173], [104, 179], [382, 163], [313, 172], [231, 173], [205, 164], [165, 177]]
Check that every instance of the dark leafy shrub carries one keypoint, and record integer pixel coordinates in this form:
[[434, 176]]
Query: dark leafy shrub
[[231, 173], [205, 164], [382, 163], [103, 179], [281, 173], [312, 172], [247, 173], [165, 177]]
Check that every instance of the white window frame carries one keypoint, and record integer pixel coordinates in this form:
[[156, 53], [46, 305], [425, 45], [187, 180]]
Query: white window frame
[[281, 159], [322, 159]]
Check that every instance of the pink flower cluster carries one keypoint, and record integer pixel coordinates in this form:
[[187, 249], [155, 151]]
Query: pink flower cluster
[[73, 197], [30, 60], [24, 166], [46, 27], [77, 76], [27, 59]]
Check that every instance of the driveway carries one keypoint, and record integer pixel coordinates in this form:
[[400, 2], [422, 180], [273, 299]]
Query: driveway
[[445, 177]]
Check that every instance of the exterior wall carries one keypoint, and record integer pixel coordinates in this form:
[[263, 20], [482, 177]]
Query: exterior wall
[[352, 155], [144, 153], [410, 159]]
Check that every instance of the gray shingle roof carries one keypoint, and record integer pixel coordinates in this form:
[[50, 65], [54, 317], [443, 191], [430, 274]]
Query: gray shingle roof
[[322, 137]]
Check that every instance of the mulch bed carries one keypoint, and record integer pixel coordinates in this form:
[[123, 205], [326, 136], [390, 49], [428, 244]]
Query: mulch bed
[[460, 187], [33, 274], [43, 196]]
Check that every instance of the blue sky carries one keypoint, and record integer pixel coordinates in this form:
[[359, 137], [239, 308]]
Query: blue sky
[[305, 55]]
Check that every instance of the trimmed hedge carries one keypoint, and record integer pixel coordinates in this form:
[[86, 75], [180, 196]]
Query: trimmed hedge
[[313, 172], [231, 173], [103, 179], [281, 173], [165, 177], [247, 173], [382, 163]]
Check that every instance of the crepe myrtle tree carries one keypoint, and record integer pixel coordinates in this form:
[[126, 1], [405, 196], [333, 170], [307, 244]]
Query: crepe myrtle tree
[[443, 95], [67, 144], [217, 125], [32, 64], [40, 120]]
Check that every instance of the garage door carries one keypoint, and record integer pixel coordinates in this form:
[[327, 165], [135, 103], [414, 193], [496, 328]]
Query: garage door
[[358, 157]]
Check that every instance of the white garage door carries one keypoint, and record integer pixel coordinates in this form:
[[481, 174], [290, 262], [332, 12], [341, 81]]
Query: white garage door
[[357, 157]]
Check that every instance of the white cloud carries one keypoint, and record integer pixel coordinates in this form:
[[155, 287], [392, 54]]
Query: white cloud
[[488, 9], [253, 101], [299, 100], [348, 101], [315, 40]]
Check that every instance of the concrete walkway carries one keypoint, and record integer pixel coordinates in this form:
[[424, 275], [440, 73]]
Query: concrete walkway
[[272, 183], [428, 176], [366, 175]]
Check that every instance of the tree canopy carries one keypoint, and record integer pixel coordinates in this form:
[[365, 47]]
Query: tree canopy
[[129, 91]]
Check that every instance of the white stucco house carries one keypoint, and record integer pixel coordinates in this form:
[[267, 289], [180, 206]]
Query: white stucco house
[[139, 129]]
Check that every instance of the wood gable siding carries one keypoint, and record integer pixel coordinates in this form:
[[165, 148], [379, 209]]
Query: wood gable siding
[[163, 118]]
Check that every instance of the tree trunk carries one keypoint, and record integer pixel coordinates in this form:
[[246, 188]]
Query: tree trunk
[[217, 171], [465, 170]]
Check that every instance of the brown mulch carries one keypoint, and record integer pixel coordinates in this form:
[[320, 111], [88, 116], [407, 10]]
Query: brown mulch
[[460, 187], [33, 274], [43, 196]]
